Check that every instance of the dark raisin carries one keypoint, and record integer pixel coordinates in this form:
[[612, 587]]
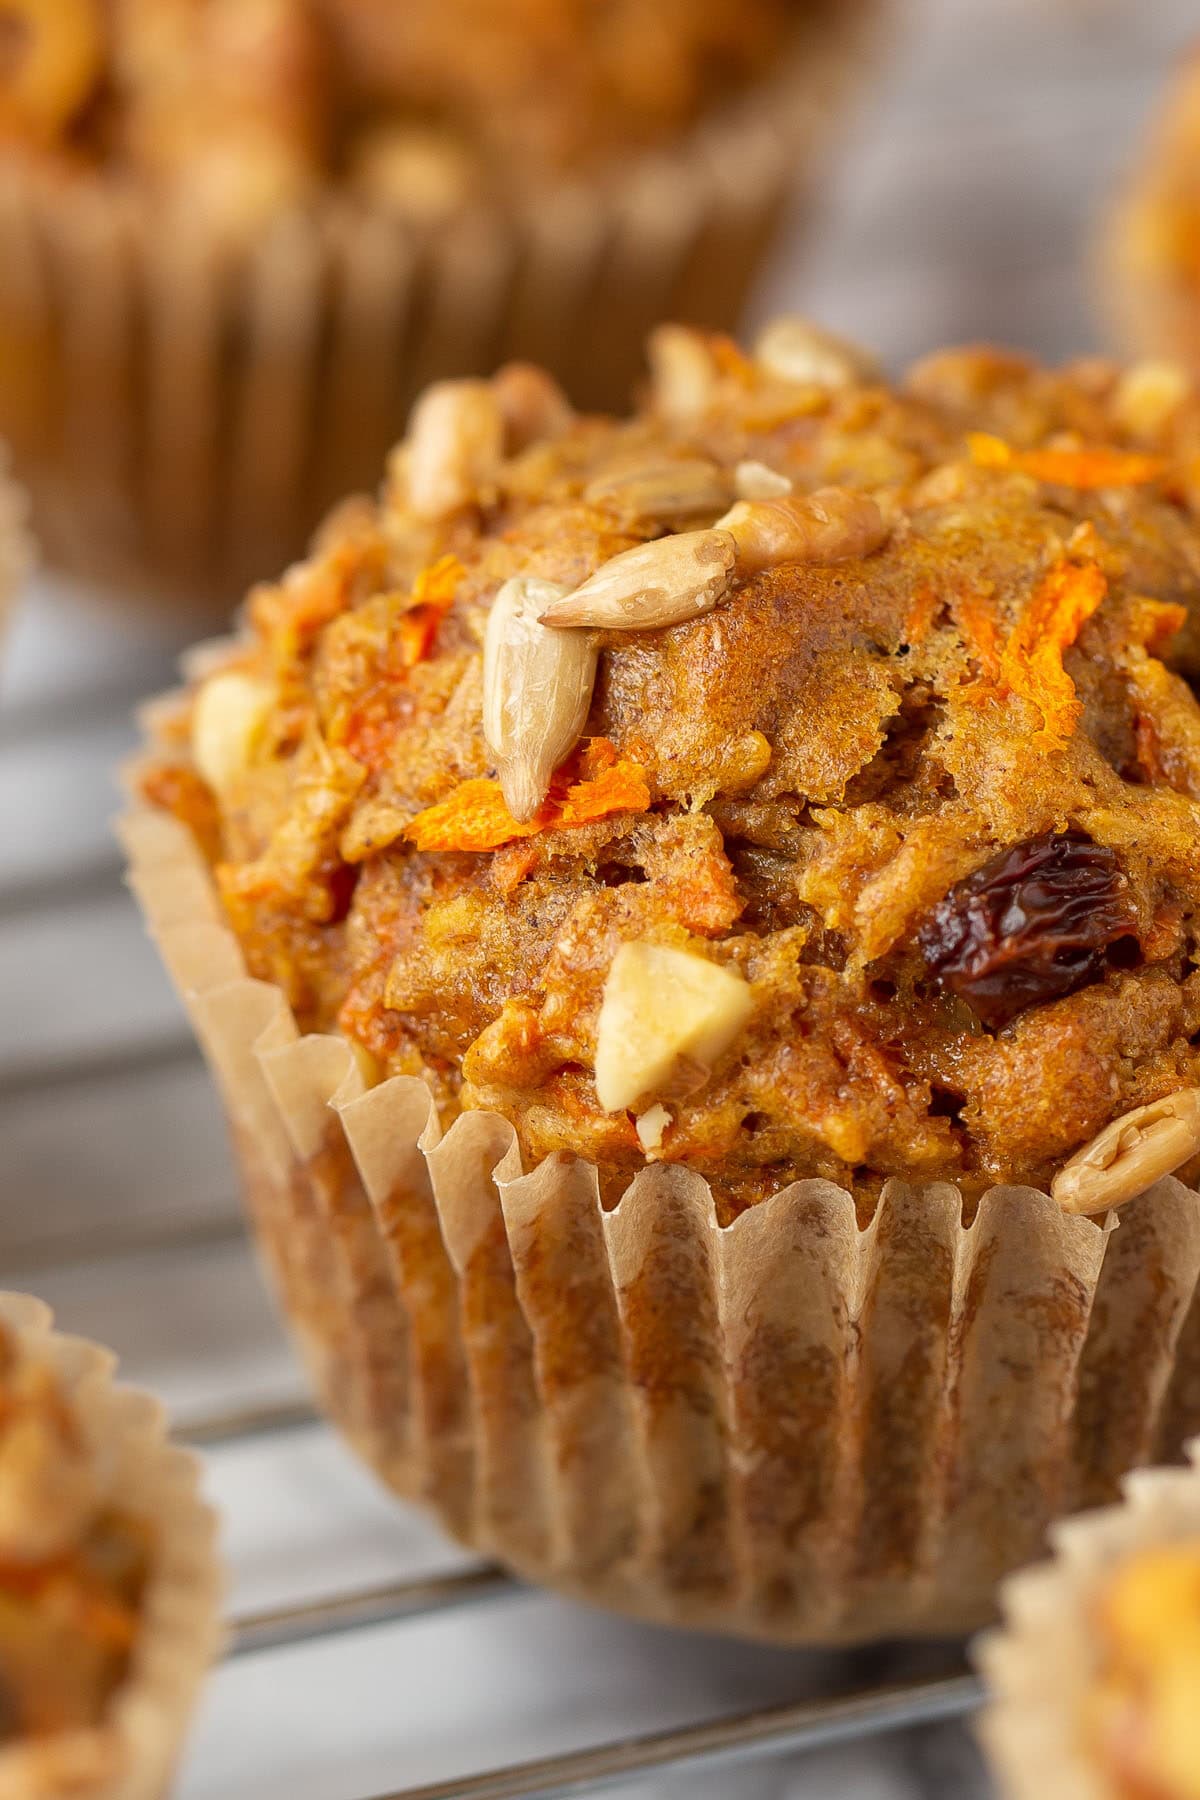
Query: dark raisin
[[1035, 923]]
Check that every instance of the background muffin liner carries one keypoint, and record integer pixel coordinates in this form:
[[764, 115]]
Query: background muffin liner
[[132, 1754], [789, 1428], [184, 409], [1040, 1668], [16, 549]]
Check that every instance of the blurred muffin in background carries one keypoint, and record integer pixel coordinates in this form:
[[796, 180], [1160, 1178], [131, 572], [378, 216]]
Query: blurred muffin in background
[[1094, 1679], [237, 236], [1150, 263], [109, 1590]]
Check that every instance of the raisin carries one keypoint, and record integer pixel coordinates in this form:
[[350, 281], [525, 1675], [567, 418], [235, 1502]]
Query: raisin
[[1036, 922]]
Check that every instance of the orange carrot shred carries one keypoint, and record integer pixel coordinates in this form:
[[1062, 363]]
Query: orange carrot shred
[[474, 817], [1031, 662], [433, 596], [1094, 466]]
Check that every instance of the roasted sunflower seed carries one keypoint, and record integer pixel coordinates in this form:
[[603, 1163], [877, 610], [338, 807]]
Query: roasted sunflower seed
[[537, 690], [832, 525], [666, 493], [683, 372], [532, 405], [797, 350], [455, 444], [652, 585], [1131, 1154]]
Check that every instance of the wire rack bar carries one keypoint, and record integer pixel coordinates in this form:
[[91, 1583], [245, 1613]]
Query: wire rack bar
[[775, 1731], [383, 1605]]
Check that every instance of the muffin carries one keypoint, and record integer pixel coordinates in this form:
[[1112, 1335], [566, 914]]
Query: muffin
[[239, 235], [1094, 1679], [108, 1588], [760, 836], [1150, 261]]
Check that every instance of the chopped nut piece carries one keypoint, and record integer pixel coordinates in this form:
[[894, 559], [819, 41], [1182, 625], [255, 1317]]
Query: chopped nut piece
[[832, 525], [652, 585], [797, 350], [651, 1126], [667, 1015], [537, 690], [1131, 1154], [755, 481], [683, 372], [454, 448], [1147, 394], [667, 492], [532, 405], [227, 720]]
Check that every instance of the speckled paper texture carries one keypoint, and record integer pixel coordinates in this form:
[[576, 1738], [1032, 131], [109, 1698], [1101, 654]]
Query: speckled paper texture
[[184, 408], [1040, 1668], [789, 1428], [132, 1753]]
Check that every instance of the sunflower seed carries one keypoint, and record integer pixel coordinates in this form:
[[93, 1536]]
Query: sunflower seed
[[455, 443], [833, 525], [797, 350], [652, 585], [755, 481], [537, 691], [665, 493], [1131, 1154]]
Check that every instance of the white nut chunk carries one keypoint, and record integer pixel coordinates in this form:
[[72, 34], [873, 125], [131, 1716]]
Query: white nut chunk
[[455, 446], [228, 718], [666, 1017], [796, 350], [1131, 1154]]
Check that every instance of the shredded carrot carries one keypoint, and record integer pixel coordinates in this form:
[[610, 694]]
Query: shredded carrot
[[977, 623], [475, 817], [1031, 662], [920, 614], [1093, 466], [433, 596], [730, 358]]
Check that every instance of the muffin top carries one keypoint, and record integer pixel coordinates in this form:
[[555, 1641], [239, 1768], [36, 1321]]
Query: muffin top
[[249, 103], [1140, 1724], [799, 778], [72, 1566]]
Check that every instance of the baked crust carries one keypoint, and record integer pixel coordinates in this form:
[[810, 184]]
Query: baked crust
[[789, 785]]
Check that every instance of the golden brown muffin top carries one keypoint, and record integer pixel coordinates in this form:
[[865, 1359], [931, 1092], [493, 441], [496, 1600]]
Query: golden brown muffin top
[[798, 778], [1141, 1726], [251, 102], [72, 1567]]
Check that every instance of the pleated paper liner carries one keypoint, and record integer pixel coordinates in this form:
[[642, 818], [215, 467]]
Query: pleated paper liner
[[184, 409], [1040, 1668], [131, 1754], [16, 549], [789, 1428]]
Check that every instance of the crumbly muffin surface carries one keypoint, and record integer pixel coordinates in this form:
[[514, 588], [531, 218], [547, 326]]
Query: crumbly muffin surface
[[258, 101], [923, 777], [72, 1568]]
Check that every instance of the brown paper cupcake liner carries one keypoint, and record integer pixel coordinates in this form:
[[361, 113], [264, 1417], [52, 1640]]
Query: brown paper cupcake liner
[[16, 549], [184, 409], [132, 1753], [788, 1428], [1041, 1666]]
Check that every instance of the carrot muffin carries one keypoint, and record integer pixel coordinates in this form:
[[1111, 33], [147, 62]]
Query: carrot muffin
[[99, 1529], [239, 235], [664, 900], [1150, 273], [1095, 1678]]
